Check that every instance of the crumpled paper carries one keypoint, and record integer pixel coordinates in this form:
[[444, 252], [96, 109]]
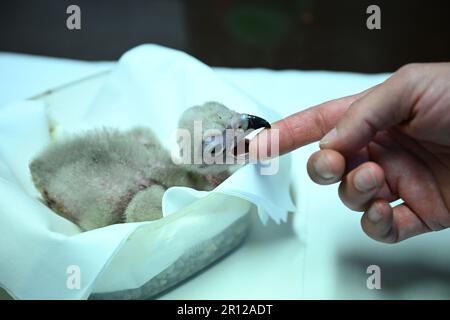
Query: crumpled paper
[[150, 86]]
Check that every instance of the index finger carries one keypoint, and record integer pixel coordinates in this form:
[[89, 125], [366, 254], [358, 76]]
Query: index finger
[[303, 127]]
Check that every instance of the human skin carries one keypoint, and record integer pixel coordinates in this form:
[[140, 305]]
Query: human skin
[[389, 142]]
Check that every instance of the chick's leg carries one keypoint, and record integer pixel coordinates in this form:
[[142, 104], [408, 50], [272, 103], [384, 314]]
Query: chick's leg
[[146, 205]]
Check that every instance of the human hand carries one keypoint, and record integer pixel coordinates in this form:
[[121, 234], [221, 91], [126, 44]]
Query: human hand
[[387, 143]]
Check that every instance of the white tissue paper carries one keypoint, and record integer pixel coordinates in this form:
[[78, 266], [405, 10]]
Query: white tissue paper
[[41, 252]]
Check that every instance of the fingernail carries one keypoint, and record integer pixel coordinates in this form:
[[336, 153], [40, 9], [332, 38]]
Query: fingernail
[[365, 180], [329, 137], [322, 168], [374, 214]]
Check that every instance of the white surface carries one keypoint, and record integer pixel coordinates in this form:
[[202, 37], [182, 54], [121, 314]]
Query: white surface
[[321, 252]]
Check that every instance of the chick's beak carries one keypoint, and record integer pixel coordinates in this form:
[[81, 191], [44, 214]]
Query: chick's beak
[[248, 122]]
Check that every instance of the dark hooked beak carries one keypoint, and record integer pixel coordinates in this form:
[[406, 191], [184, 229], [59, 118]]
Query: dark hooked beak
[[253, 122]]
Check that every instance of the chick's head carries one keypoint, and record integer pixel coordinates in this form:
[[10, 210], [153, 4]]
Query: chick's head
[[211, 136]]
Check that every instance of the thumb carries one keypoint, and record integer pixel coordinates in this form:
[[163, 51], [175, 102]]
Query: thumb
[[388, 104]]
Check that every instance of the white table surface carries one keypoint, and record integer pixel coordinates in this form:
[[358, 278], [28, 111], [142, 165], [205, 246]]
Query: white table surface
[[321, 252]]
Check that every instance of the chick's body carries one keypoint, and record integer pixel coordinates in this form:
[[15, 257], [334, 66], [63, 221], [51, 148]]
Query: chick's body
[[106, 176], [91, 179]]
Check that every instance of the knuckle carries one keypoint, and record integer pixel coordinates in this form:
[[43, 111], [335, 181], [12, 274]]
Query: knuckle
[[410, 67], [407, 85], [409, 71]]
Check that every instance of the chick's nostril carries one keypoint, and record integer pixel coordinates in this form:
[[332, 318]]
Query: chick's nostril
[[257, 122]]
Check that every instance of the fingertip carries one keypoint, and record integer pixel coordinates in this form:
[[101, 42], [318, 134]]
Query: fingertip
[[361, 185], [377, 222], [367, 177], [326, 166]]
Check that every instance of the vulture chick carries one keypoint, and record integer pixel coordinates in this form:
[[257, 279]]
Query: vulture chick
[[103, 177]]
